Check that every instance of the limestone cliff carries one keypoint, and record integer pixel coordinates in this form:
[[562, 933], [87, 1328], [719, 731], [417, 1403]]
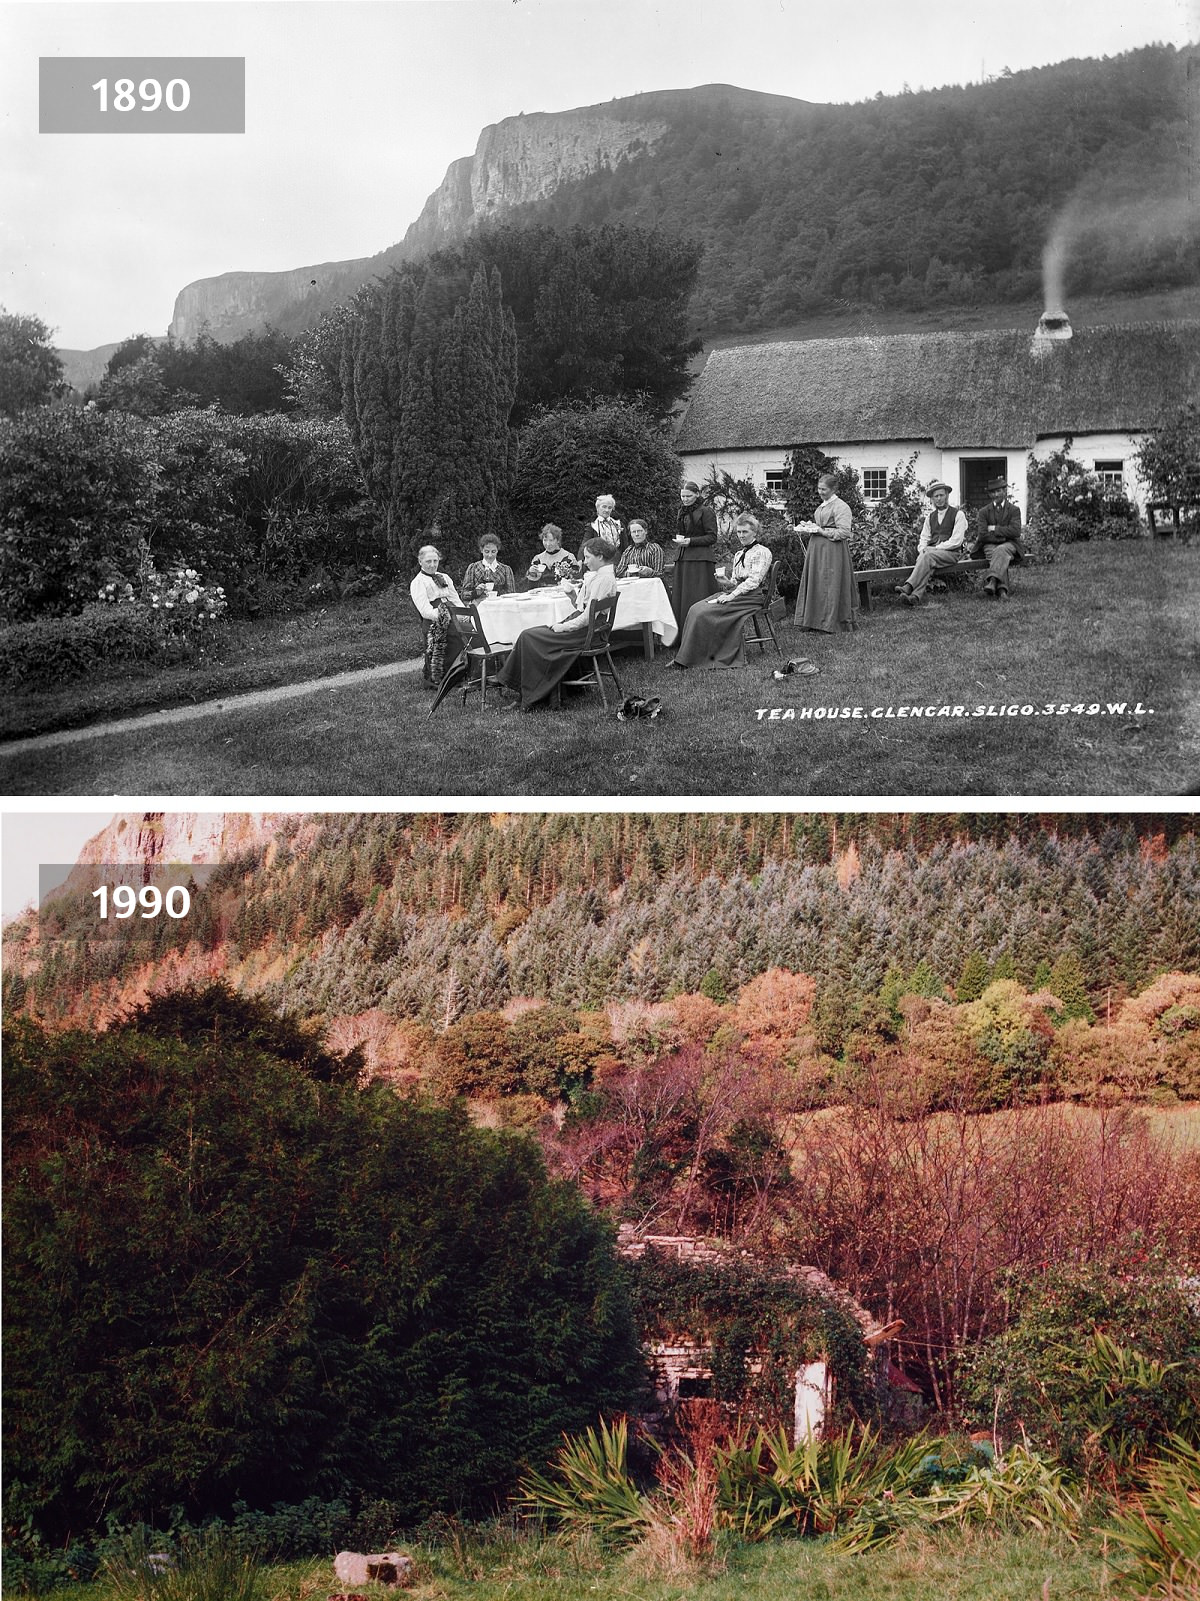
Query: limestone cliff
[[162, 837], [522, 159], [241, 302]]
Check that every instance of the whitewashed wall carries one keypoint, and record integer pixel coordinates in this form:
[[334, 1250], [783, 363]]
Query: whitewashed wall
[[931, 463]]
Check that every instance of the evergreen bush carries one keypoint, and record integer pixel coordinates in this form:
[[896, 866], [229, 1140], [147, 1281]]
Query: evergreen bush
[[575, 451], [233, 1275]]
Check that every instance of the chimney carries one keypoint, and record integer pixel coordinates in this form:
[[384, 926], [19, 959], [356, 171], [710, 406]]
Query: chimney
[[1053, 325]]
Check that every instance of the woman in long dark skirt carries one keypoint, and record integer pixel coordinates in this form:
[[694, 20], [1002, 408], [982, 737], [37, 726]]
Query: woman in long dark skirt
[[826, 599], [715, 628], [542, 657], [695, 575]]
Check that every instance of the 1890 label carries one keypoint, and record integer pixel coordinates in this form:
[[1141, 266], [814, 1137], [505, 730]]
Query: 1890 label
[[142, 94]]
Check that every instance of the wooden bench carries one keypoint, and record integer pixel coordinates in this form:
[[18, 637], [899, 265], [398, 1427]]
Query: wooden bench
[[897, 575], [1173, 508]]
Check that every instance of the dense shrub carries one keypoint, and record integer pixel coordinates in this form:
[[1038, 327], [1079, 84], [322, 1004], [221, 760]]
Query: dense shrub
[[574, 452], [76, 490], [231, 1274], [53, 650], [1100, 1366], [269, 508]]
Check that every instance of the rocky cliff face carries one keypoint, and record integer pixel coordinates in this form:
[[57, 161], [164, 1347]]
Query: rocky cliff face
[[527, 158], [240, 302], [518, 160], [162, 838]]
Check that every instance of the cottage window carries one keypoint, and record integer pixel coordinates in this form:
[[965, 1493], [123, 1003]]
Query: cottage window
[[1112, 476], [875, 480], [775, 484]]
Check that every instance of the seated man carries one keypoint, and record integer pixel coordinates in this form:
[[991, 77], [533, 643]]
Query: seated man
[[998, 537], [942, 534]]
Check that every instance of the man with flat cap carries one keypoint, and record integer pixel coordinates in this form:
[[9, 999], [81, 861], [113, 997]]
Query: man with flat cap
[[942, 534], [998, 538]]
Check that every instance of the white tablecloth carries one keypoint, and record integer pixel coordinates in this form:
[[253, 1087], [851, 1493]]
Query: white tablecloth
[[640, 601], [505, 616], [645, 600]]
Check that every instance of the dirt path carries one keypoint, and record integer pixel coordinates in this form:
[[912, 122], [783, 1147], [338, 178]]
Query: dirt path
[[208, 708]]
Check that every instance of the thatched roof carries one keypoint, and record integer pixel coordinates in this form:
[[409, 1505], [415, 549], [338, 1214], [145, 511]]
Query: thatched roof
[[971, 390]]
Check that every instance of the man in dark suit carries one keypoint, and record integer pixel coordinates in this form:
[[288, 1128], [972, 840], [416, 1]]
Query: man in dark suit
[[998, 537]]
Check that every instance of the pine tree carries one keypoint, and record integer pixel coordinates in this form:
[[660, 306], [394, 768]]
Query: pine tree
[[1068, 983], [973, 979]]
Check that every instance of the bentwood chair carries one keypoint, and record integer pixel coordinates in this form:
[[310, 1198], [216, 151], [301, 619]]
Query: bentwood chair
[[762, 614], [595, 649], [470, 669]]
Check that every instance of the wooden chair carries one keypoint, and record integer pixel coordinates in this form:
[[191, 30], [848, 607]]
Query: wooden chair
[[476, 653], [762, 614], [595, 649]]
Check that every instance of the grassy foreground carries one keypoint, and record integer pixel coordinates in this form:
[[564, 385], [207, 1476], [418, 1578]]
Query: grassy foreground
[[969, 1567], [248, 655], [1115, 627]]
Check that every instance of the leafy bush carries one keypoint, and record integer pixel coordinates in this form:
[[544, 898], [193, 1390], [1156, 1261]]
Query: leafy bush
[[1100, 1368], [1169, 458], [75, 496], [267, 506], [54, 650]]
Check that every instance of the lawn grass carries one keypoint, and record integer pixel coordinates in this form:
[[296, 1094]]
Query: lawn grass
[[255, 654], [1108, 623], [969, 1566]]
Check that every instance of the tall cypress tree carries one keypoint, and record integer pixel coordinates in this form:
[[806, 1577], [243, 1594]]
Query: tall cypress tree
[[429, 372]]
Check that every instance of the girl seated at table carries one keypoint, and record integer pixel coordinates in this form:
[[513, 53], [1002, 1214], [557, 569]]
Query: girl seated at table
[[542, 657], [552, 563], [642, 557], [490, 576], [714, 628], [430, 590]]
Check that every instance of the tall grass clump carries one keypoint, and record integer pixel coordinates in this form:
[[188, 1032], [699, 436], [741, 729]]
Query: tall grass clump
[[202, 1565]]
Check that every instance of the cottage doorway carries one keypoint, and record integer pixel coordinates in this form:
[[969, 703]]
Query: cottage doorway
[[977, 472]]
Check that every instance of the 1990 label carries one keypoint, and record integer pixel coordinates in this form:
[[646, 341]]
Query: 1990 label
[[120, 900], [142, 94]]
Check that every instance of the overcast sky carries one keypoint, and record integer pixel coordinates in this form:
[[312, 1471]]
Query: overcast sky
[[355, 110]]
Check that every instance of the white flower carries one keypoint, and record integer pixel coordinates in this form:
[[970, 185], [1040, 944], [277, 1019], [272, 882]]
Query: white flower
[[192, 596]]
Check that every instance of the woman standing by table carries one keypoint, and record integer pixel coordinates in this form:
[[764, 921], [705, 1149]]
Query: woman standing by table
[[542, 657], [696, 541], [715, 630], [826, 598]]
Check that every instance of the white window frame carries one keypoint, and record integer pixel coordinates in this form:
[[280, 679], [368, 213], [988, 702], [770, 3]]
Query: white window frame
[[869, 494], [775, 492], [1111, 473]]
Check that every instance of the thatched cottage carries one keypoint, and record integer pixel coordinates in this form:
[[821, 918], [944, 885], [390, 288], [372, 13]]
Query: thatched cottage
[[971, 406]]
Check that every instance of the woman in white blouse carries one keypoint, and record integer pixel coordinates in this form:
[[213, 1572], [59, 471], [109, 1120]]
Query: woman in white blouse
[[430, 590], [542, 657], [714, 628]]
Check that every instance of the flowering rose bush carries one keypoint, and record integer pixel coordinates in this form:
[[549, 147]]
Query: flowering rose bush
[[179, 603]]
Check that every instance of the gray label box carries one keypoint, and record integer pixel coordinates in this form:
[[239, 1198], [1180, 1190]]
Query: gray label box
[[167, 94]]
